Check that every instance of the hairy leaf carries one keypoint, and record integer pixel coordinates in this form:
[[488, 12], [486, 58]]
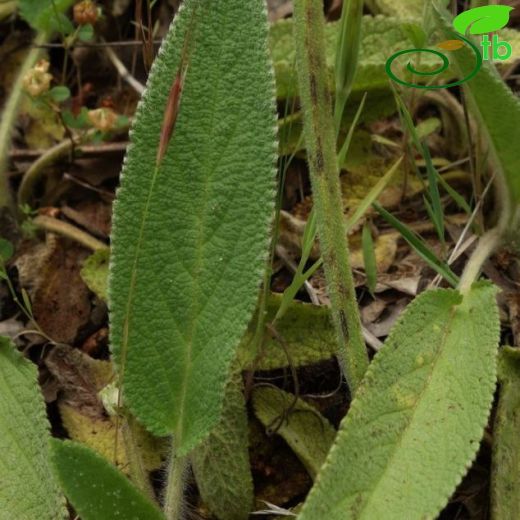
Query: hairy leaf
[[96, 489], [370, 75], [381, 36], [497, 111], [191, 224], [46, 15], [28, 489], [95, 272], [418, 417], [505, 482], [304, 429], [307, 333], [221, 462]]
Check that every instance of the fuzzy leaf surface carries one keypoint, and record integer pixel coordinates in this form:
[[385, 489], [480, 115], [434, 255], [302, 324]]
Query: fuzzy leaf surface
[[221, 463], [190, 236], [96, 489], [418, 417], [28, 487], [505, 476]]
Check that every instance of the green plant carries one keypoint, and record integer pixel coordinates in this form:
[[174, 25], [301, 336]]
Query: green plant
[[321, 151], [190, 251], [196, 228]]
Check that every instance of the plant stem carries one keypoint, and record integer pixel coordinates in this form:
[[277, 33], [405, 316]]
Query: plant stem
[[485, 248], [68, 230], [174, 499], [137, 470], [320, 135], [9, 114]]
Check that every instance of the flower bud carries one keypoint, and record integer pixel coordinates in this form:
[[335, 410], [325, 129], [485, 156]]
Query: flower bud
[[102, 119], [37, 81], [85, 12]]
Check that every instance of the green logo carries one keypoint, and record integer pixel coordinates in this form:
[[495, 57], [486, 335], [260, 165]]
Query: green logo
[[480, 20]]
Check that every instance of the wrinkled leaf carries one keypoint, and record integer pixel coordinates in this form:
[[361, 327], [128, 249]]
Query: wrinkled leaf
[[28, 489], [307, 332], [418, 417], [304, 429], [96, 489], [190, 236], [505, 477], [221, 463]]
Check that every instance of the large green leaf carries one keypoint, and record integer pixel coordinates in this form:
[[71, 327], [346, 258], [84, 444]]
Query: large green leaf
[[96, 489], [221, 463], [190, 236], [28, 488], [417, 419], [505, 483], [304, 429]]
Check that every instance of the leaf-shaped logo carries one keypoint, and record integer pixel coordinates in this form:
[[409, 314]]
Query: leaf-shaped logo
[[481, 20]]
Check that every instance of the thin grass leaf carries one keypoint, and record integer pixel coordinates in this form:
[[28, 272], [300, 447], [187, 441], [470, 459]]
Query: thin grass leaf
[[437, 211], [347, 54], [419, 246], [373, 194], [454, 194], [342, 155]]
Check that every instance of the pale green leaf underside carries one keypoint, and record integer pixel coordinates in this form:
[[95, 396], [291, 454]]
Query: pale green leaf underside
[[505, 481], [221, 463], [28, 489], [304, 429], [95, 273], [96, 489], [190, 240], [418, 417]]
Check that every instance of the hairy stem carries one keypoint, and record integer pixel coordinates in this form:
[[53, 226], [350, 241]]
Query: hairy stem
[[486, 246], [320, 136], [135, 461], [174, 498], [9, 114]]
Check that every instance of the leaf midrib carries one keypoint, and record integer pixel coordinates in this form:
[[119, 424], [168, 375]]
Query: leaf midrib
[[398, 444]]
